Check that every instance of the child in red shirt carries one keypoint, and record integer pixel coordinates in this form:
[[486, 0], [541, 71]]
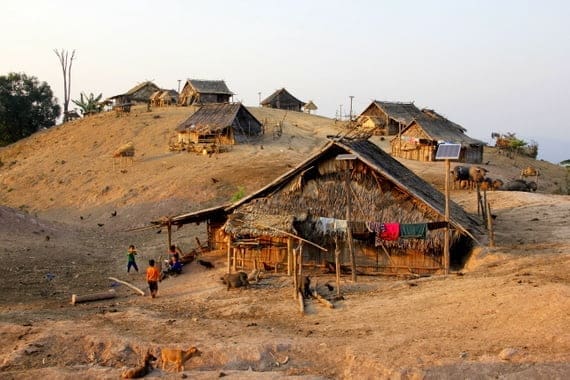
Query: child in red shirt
[[152, 278]]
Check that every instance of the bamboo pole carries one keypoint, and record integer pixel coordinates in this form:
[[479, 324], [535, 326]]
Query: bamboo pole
[[490, 226], [337, 265], [348, 231], [289, 254], [139, 291], [299, 297], [229, 253], [446, 232], [295, 278]]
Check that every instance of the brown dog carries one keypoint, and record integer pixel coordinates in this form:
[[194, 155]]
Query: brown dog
[[179, 357], [145, 369]]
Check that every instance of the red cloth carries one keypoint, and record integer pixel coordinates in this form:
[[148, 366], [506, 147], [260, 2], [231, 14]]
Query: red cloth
[[390, 231]]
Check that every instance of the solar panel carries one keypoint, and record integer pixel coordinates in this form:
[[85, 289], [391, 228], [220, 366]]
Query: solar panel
[[448, 152]]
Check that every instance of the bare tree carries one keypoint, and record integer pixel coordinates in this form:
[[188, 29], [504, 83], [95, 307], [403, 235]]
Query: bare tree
[[66, 63]]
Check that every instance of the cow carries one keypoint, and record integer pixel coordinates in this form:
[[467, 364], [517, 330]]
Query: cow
[[235, 280], [519, 185], [467, 176]]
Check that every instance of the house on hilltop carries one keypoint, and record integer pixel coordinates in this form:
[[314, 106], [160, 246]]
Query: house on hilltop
[[309, 107], [141, 93], [282, 99], [420, 139], [196, 91], [387, 118], [219, 124], [310, 202]]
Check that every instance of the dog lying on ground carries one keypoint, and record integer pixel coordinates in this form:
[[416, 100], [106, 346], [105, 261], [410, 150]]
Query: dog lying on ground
[[178, 357], [138, 372], [206, 264]]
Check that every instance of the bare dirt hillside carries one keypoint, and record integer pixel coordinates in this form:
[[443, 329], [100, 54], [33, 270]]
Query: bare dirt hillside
[[504, 315]]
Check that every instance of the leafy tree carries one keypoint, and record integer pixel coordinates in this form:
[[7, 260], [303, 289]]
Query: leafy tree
[[89, 104], [26, 106]]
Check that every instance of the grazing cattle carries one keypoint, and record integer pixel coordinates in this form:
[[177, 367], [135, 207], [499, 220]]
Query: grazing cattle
[[519, 185], [491, 184], [530, 171], [178, 357], [138, 372], [235, 280], [476, 175], [467, 176], [459, 174]]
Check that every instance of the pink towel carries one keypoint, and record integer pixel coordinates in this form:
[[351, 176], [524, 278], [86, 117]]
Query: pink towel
[[390, 231]]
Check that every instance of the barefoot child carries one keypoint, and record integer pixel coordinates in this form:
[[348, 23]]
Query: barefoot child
[[131, 262], [152, 278]]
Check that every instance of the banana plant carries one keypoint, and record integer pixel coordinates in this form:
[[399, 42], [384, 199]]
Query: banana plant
[[89, 104]]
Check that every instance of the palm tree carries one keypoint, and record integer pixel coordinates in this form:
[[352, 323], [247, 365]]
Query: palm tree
[[89, 104]]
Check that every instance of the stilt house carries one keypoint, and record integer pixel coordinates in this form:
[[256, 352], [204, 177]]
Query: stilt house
[[197, 91], [419, 140], [387, 118], [282, 99], [221, 124], [341, 198]]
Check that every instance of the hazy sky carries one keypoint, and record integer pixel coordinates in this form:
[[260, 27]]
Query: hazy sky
[[491, 66]]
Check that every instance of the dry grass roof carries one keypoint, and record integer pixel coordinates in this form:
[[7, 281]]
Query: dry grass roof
[[209, 86], [213, 118], [403, 113], [438, 128], [279, 93]]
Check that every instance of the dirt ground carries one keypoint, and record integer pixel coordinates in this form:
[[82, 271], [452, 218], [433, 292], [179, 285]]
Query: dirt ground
[[504, 315]]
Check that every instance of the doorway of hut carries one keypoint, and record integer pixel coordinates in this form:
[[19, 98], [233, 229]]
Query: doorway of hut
[[460, 251]]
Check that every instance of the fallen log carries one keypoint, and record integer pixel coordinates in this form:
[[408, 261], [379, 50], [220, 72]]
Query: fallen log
[[127, 284], [323, 300], [92, 297]]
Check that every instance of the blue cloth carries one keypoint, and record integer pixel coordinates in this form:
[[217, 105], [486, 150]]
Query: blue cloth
[[413, 231]]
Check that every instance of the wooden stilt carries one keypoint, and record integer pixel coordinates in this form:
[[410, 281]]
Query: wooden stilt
[[337, 265]]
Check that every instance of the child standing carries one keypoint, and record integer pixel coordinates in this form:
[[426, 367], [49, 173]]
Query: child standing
[[152, 278], [131, 262]]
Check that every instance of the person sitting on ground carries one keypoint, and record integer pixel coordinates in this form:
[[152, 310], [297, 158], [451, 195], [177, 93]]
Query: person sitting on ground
[[173, 252], [173, 268]]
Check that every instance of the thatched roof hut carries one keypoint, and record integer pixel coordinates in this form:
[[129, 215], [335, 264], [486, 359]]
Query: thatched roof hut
[[419, 140], [141, 93], [378, 188], [221, 123], [198, 91], [310, 106], [282, 99], [387, 118]]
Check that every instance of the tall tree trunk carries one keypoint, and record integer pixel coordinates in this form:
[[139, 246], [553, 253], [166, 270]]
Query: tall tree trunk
[[66, 64]]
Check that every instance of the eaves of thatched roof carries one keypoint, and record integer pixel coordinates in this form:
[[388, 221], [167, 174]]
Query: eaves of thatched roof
[[279, 93], [209, 86], [141, 86], [381, 162], [439, 128], [193, 217], [213, 118], [310, 106]]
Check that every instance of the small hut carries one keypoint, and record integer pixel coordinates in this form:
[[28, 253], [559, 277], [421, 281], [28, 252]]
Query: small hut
[[167, 98], [219, 124], [310, 107], [387, 118], [420, 139], [155, 98], [197, 91], [282, 99], [141, 93], [344, 197]]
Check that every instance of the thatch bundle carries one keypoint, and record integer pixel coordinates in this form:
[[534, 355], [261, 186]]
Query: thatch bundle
[[125, 150]]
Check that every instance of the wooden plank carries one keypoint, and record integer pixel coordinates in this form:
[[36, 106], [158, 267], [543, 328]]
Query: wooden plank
[[127, 284], [92, 297]]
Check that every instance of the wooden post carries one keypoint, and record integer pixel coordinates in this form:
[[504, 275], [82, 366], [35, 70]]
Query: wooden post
[[289, 254], [337, 265], [300, 261], [446, 234], [348, 231], [490, 226], [229, 253], [169, 227], [295, 278], [93, 297], [139, 291], [234, 257]]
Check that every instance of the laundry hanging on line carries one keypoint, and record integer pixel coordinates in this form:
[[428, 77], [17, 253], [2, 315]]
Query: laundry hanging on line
[[413, 231]]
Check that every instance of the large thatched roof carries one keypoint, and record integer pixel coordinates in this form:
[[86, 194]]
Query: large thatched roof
[[438, 128], [209, 86], [377, 160], [403, 113], [281, 93], [216, 117]]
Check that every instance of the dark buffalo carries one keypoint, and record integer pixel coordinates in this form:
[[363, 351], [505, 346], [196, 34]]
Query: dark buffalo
[[467, 176], [235, 280], [519, 185]]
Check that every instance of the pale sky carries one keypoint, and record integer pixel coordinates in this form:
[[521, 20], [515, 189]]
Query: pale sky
[[491, 66]]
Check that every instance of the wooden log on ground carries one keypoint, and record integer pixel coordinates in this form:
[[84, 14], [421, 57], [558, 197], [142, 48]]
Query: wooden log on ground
[[322, 299], [127, 284], [93, 297]]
